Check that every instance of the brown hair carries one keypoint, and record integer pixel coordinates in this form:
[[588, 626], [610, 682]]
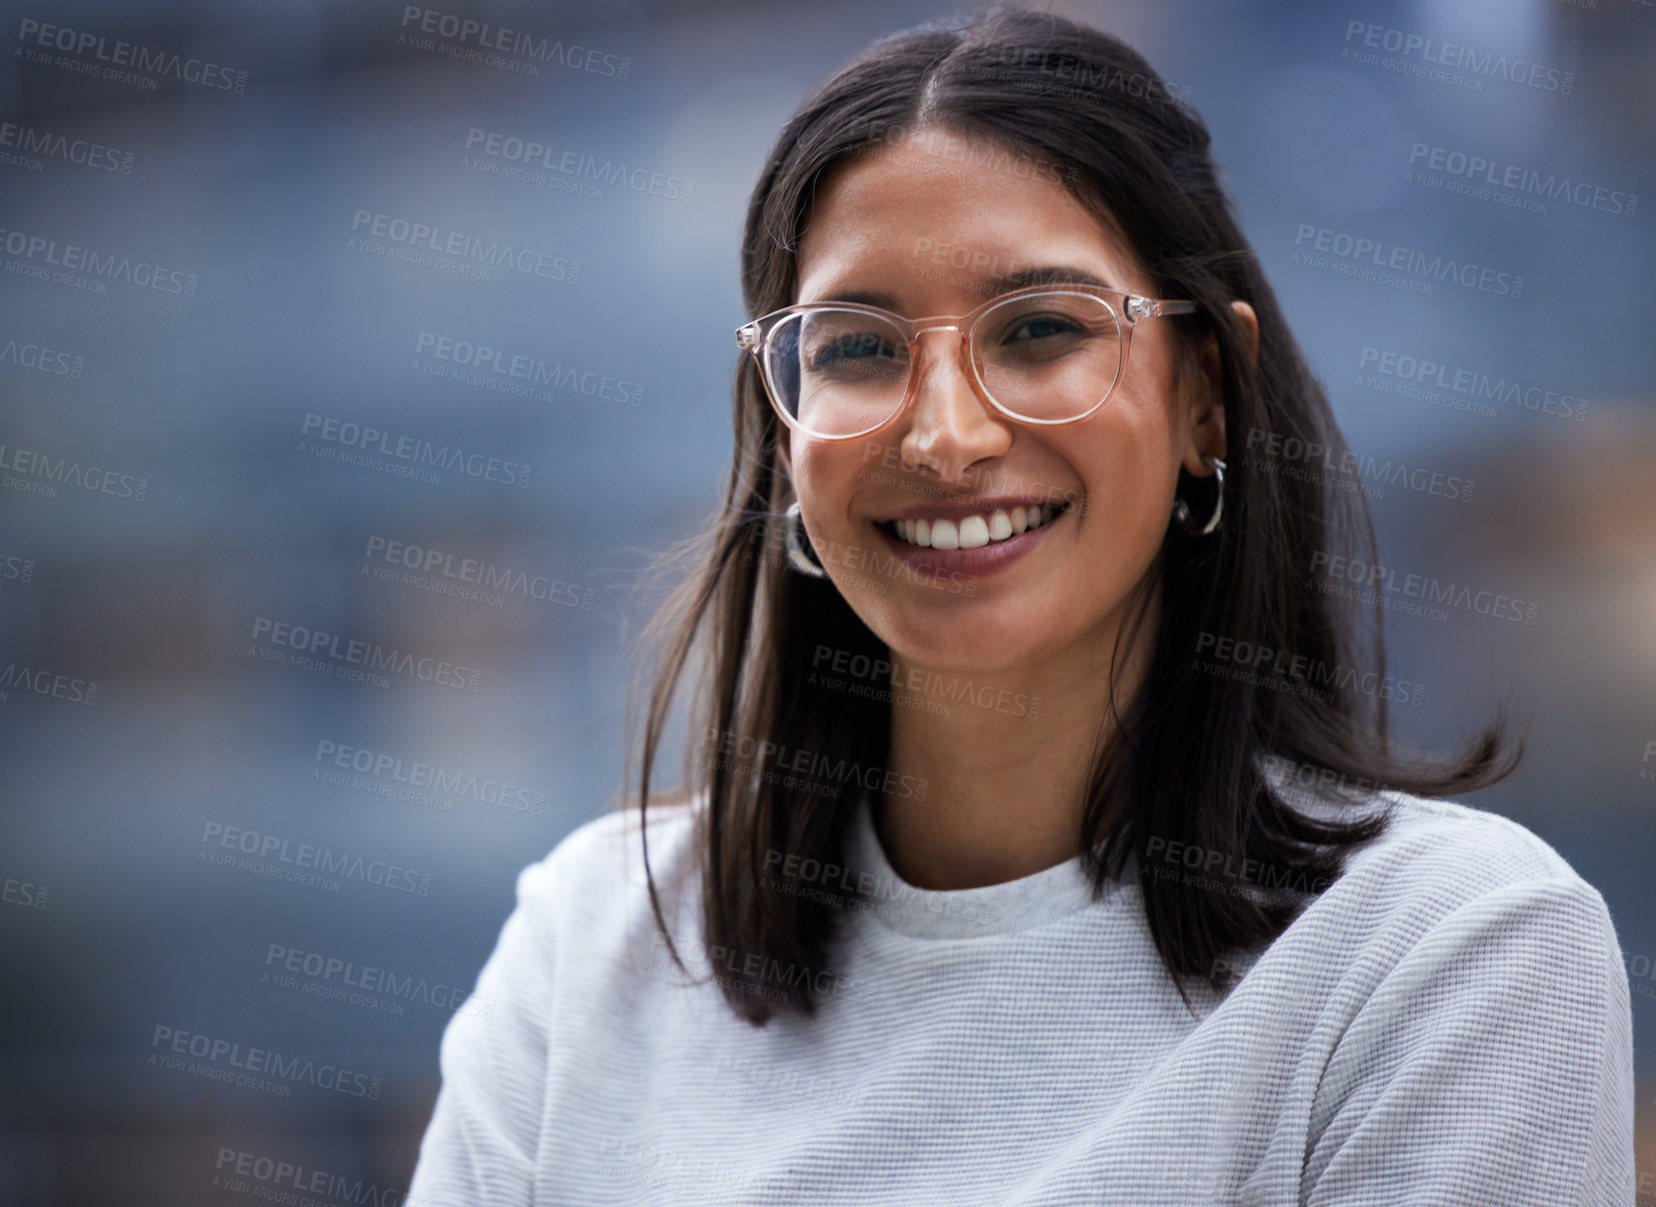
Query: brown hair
[[1185, 764]]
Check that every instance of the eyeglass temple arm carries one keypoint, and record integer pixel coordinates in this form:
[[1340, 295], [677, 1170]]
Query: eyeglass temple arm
[[1139, 307]]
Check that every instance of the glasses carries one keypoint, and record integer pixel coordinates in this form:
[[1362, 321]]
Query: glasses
[[1048, 354]]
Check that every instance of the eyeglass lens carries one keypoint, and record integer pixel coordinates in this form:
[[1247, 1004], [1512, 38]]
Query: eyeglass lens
[[1050, 356]]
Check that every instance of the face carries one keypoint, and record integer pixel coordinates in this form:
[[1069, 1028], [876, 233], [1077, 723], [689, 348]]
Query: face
[[908, 230]]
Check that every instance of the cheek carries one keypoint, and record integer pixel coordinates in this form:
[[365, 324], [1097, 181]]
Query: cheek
[[825, 478], [1127, 463]]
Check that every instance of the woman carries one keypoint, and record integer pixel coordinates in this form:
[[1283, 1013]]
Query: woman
[[1037, 852]]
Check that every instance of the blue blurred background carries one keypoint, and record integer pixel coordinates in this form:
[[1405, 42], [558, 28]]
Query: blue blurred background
[[209, 288]]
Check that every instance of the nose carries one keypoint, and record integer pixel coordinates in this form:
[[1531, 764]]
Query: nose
[[949, 426]]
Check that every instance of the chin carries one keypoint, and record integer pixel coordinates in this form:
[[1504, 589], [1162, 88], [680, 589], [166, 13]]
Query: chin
[[990, 639]]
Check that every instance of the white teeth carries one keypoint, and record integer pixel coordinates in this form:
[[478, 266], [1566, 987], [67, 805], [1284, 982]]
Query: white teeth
[[974, 531]]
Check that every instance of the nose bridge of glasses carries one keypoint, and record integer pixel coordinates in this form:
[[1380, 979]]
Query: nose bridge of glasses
[[936, 322], [939, 354], [946, 368]]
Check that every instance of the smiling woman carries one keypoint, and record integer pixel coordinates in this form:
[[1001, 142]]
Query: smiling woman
[[1045, 843]]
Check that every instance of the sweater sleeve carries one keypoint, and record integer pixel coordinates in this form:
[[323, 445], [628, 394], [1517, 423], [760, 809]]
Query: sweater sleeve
[[480, 1146], [1492, 1065]]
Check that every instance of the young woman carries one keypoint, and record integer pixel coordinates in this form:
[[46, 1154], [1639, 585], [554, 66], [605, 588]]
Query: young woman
[[1037, 851]]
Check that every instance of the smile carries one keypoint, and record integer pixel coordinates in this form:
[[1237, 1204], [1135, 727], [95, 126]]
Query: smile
[[972, 531]]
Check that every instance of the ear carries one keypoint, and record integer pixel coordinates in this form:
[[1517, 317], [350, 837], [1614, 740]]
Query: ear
[[1207, 402]]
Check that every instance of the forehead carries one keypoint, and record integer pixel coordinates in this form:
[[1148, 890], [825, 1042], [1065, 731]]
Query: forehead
[[933, 220]]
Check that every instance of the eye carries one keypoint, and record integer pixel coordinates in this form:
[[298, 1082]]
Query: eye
[[851, 349], [1040, 327]]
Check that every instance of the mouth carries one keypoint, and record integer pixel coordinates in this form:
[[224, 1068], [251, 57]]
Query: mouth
[[972, 530]]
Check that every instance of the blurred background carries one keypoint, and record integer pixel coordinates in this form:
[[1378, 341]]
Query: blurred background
[[298, 335]]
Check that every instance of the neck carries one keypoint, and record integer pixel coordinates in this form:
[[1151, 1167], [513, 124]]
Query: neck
[[1004, 789]]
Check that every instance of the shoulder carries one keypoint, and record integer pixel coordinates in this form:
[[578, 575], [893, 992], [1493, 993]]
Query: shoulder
[[551, 968], [1446, 878], [1455, 849], [597, 869], [1439, 872], [1458, 957], [1444, 874], [610, 836], [1441, 849]]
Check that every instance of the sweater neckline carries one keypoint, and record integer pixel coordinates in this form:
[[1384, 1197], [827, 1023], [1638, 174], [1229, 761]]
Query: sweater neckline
[[994, 909]]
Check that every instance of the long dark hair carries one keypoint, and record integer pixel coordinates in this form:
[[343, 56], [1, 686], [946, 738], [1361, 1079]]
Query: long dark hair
[[1184, 765]]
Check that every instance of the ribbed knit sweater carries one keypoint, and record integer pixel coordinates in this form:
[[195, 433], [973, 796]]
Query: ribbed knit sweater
[[1446, 1024]]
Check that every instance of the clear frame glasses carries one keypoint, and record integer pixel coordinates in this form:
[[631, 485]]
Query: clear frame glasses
[[1047, 354]]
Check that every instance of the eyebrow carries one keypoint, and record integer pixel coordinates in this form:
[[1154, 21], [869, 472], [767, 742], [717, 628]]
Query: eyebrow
[[1046, 274]]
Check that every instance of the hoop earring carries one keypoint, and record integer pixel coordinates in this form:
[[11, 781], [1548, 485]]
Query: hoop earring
[[1181, 509], [793, 526]]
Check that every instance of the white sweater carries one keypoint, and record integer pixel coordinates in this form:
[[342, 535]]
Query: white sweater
[[1448, 1024]]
